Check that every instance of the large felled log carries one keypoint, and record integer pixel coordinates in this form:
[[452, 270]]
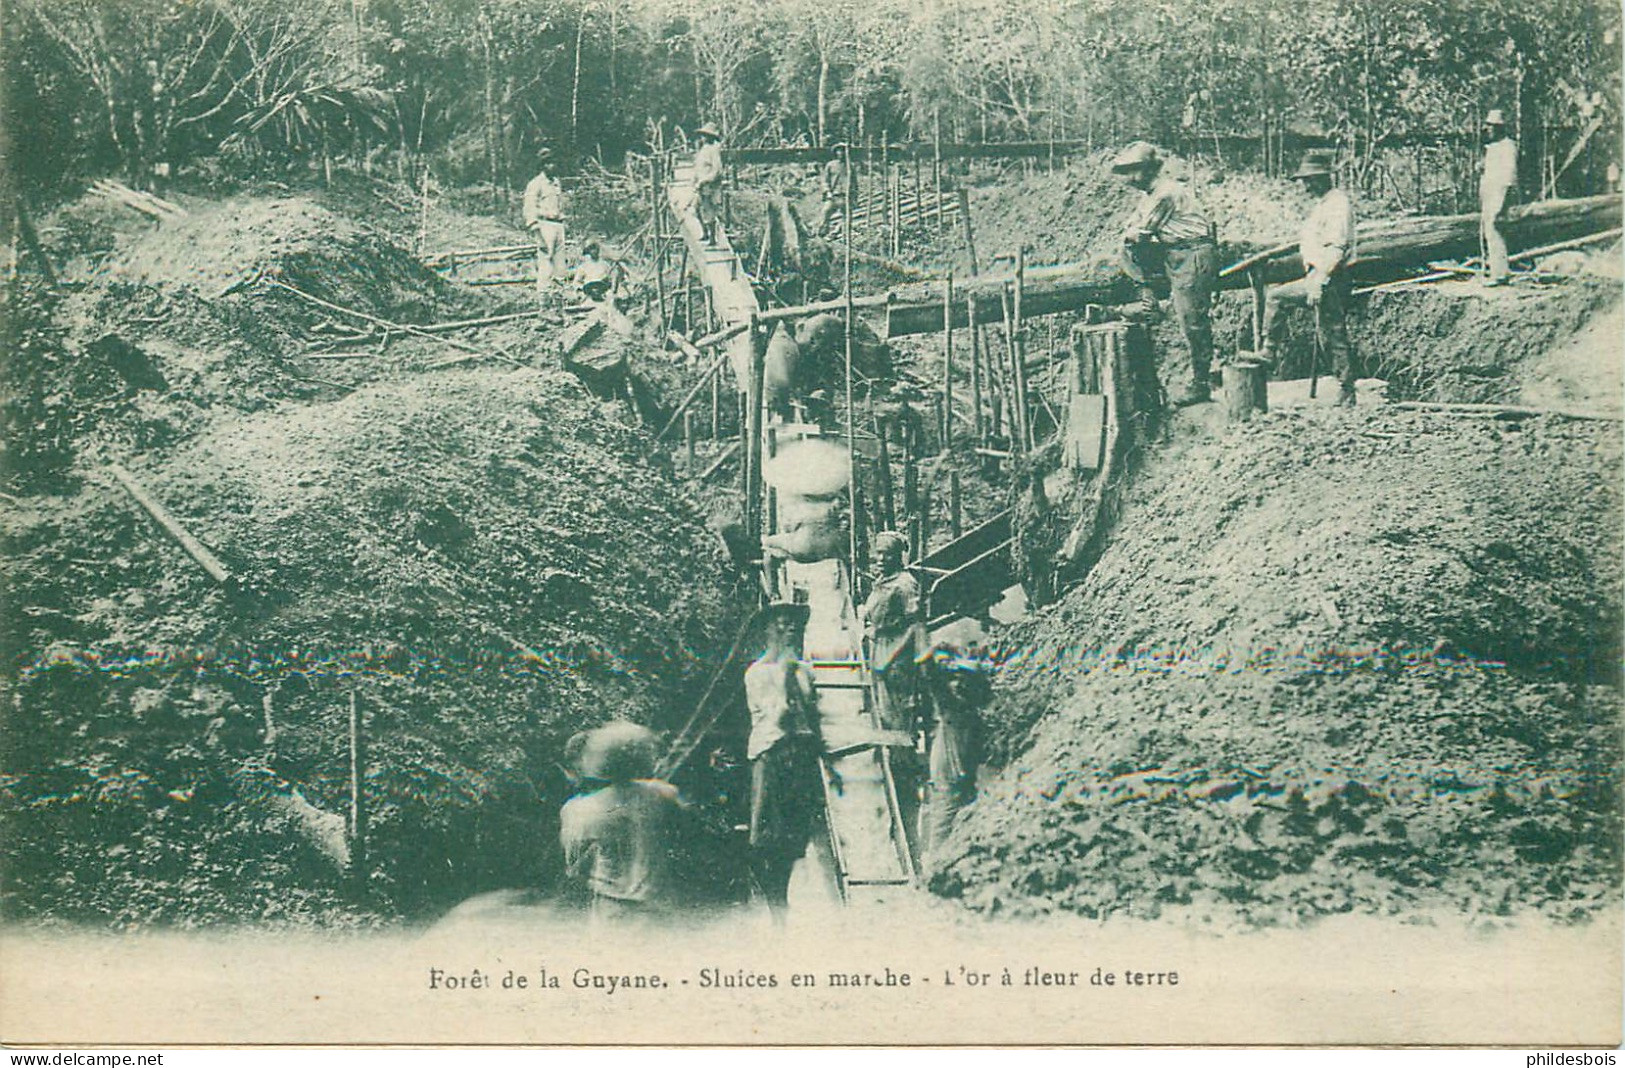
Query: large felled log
[[1386, 250]]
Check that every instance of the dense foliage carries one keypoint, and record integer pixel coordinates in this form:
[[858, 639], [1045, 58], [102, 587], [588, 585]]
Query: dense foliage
[[473, 86]]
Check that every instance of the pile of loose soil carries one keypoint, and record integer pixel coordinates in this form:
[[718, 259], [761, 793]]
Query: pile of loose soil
[[1331, 661], [1250, 211], [1459, 341], [482, 558]]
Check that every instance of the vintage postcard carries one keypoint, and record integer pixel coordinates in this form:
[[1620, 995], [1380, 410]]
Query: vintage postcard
[[541, 522]]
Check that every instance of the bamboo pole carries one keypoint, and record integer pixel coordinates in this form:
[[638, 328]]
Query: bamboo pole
[[956, 518], [660, 243], [753, 458], [1018, 351], [947, 430], [358, 817], [851, 415], [976, 377]]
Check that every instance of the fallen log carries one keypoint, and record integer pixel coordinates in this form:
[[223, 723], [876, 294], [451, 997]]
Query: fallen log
[[1386, 250], [194, 548]]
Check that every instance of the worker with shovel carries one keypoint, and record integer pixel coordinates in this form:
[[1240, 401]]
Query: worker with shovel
[[1326, 246], [1171, 236]]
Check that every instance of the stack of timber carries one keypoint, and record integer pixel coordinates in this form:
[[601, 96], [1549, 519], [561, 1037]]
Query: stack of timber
[[154, 207]]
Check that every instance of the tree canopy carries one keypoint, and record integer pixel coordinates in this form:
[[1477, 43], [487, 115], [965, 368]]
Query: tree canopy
[[474, 86]]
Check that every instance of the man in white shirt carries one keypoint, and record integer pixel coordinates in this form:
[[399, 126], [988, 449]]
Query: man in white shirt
[[784, 750], [1170, 234], [708, 178], [1499, 177], [544, 216], [1326, 246]]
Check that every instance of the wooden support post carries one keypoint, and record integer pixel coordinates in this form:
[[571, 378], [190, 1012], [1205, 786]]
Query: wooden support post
[[1018, 351], [956, 517], [688, 294], [688, 442], [716, 404], [965, 228], [911, 486], [948, 363], [1255, 282], [1007, 374], [976, 375], [753, 463], [922, 538], [853, 563], [888, 496], [897, 210], [1246, 390], [919, 200], [358, 813], [742, 399], [936, 172]]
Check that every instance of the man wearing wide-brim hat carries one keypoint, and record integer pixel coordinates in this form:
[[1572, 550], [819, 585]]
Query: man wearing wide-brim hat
[[1499, 177], [784, 749], [1171, 236], [708, 178], [621, 840], [1326, 246]]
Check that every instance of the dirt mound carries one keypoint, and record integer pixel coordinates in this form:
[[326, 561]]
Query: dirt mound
[[223, 245], [482, 558], [1250, 211], [1330, 661], [1461, 342]]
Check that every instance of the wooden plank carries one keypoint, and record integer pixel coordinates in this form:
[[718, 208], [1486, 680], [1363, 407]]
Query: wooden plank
[[1085, 431]]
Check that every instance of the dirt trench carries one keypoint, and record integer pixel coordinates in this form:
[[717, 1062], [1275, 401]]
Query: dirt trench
[[479, 556]]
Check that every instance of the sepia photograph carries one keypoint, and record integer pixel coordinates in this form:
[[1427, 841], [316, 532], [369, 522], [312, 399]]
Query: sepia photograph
[[807, 522]]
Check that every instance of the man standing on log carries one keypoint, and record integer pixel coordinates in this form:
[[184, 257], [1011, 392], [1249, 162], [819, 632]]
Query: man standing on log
[[1500, 175], [785, 747], [1326, 246], [544, 216], [1171, 235], [708, 179]]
